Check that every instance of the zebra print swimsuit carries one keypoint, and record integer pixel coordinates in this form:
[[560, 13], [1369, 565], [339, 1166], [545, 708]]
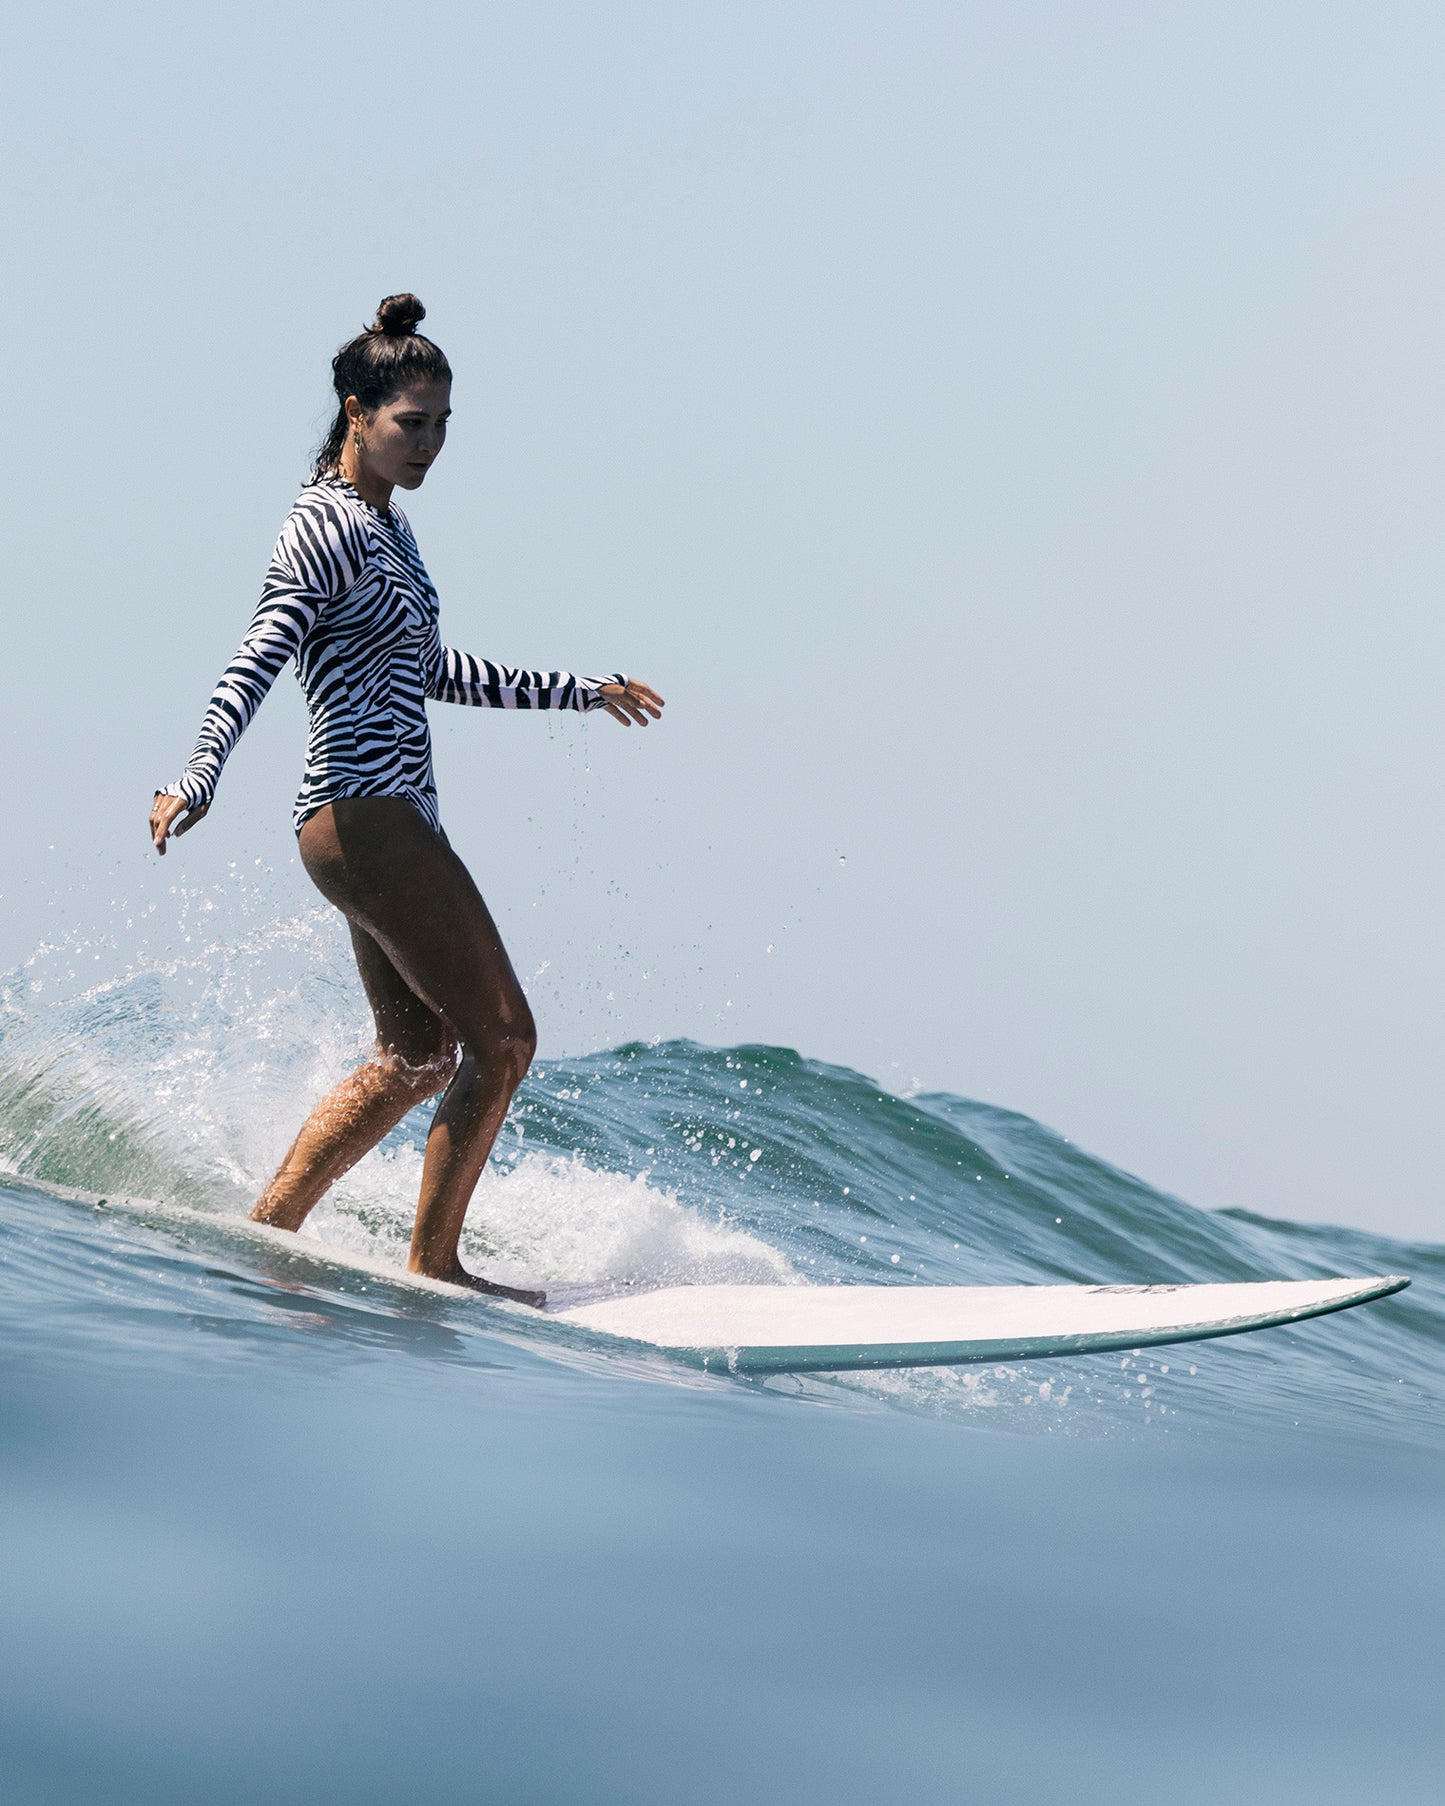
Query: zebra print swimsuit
[[347, 596]]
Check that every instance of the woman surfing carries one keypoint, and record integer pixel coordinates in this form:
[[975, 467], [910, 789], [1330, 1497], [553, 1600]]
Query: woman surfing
[[347, 597]]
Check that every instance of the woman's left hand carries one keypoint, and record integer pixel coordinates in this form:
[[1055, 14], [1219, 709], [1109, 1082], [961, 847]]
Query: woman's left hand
[[632, 701]]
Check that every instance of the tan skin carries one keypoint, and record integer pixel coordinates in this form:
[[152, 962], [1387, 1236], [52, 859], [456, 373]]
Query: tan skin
[[450, 1014]]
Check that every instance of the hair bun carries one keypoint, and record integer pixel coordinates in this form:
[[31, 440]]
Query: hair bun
[[399, 315]]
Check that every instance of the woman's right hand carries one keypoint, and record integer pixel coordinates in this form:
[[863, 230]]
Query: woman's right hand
[[164, 811]]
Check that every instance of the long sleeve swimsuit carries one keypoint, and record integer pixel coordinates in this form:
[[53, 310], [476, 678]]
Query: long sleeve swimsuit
[[347, 596]]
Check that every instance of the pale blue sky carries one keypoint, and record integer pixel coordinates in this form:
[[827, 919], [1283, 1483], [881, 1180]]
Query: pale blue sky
[[1008, 434]]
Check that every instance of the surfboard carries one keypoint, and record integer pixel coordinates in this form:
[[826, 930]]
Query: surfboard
[[829, 1329], [762, 1329]]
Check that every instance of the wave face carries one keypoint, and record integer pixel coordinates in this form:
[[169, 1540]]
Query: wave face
[[182, 1078]]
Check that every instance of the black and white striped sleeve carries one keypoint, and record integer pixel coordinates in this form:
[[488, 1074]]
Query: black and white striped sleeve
[[319, 556], [479, 684]]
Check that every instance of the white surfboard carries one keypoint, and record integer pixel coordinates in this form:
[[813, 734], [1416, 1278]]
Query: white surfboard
[[821, 1329], [810, 1329]]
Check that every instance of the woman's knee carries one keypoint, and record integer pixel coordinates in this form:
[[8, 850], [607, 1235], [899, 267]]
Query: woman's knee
[[526, 1047], [508, 1046], [422, 1071]]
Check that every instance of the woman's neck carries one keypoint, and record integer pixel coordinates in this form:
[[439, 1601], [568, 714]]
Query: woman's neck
[[370, 488]]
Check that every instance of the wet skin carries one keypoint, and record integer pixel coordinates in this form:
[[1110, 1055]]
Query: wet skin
[[450, 1017]]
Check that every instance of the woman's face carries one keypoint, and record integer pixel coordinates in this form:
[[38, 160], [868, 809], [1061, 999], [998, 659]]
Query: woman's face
[[401, 440]]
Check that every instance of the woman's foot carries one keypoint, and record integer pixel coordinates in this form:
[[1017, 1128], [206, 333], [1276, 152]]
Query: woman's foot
[[458, 1276]]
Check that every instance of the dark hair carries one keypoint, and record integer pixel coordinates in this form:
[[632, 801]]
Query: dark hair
[[377, 365]]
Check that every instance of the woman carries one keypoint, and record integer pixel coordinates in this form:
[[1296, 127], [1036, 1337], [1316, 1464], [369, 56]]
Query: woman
[[348, 597]]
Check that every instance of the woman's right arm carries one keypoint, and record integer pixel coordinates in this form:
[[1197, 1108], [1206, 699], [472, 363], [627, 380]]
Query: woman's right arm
[[318, 556]]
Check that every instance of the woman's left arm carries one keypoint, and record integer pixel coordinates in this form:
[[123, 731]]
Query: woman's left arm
[[480, 684]]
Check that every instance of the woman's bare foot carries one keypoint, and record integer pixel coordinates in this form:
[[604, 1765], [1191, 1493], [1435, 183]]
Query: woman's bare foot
[[458, 1276]]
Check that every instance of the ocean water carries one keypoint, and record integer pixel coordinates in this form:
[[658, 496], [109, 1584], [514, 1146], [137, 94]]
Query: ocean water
[[277, 1531]]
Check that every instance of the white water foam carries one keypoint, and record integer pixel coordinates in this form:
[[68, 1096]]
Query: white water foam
[[550, 1219]]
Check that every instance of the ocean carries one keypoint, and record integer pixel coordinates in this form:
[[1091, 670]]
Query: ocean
[[277, 1531]]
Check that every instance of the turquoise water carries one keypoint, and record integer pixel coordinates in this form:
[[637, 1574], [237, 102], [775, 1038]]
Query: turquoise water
[[276, 1531]]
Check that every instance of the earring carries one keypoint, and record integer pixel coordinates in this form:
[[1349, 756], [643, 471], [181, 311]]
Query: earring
[[356, 440]]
